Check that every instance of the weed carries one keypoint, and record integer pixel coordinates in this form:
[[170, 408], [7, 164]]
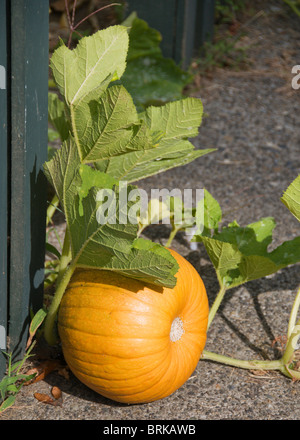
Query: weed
[[225, 52], [226, 10], [14, 379], [11, 384]]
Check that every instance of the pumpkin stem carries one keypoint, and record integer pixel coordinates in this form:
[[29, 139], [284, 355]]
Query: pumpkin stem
[[177, 329]]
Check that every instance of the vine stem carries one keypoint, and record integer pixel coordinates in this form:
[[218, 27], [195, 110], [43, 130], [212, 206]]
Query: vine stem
[[171, 237], [294, 312], [49, 333], [281, 364], [51, 209], [72, 21], [216, 305], [66, 256], [251, 365], [95, 12], [64, 275], [292, 344]]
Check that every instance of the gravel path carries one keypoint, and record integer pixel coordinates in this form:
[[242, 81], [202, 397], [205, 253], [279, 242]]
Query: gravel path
[[253, 119]]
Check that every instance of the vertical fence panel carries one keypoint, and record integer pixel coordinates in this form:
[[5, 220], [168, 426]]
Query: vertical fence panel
[[160, 15], [185, 32], [29, 87], [205, 22], [183, 24], [3, 185]]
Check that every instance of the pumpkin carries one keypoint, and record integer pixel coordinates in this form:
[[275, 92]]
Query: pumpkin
[[128, 340]]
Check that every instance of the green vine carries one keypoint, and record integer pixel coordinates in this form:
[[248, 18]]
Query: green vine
[[284, 365]]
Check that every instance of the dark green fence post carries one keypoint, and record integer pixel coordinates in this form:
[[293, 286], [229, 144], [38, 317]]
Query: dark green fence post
[[26, 146], [205, 22], [3, 185]]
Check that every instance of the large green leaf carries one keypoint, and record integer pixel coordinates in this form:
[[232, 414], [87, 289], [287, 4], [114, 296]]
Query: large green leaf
[[57, 116], [291, 198], [104, 122], [109, 126], [62, 171], [172, 125], [83, 71], [240, 254], [176, 120], [144, 41], [105, 125], [103, 241], [111, 245], [150, 78], [141, 164], [154, 81], [209, 214]]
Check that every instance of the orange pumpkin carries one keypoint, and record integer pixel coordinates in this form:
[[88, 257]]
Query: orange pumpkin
[[129, 341]]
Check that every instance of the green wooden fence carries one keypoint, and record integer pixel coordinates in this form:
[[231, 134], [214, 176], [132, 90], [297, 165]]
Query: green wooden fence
[[183, 24], [23, 141], [3, 184]]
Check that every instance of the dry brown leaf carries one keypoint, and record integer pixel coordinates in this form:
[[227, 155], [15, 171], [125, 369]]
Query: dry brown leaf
[[43, 370], [56, 392], [44, 398], [41, 397]]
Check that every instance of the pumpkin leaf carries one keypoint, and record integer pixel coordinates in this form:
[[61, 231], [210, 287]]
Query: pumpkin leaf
[[105, 125], [150, 78], [102, 240], [90, 178], [138, 165], [176, 120], [291, 198], [240, 254], [82, 73], [62, 171], [143, 40], [100, 233], [108, 126], [212, 213], [154, 80], [104, 122], [57, 116], [158, 250], [170, 126]]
